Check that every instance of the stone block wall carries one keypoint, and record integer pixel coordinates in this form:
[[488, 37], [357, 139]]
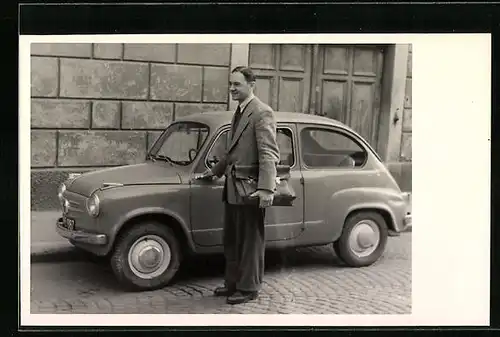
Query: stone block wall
[[116, 98]]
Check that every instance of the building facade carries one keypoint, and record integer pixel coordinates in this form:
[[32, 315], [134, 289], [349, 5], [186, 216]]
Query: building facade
[[96, 105]]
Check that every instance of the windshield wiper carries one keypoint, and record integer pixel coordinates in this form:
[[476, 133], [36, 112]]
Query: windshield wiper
[[150, 156], [165, 158]]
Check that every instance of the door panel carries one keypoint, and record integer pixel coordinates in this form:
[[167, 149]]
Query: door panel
[[291, 98], [207, 212], [283, 75], [348, 82], [207, 208], [365, 62], [285, 223], [331, 162], [361, 116], [263, 56], [265, 88], [293, 58], [334, 98], [336, 60]]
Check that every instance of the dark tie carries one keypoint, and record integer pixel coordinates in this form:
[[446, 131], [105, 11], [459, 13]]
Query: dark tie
[[237, 117]]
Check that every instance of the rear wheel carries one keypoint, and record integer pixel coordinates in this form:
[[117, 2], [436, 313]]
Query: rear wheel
[[363, 239], [146, 257]]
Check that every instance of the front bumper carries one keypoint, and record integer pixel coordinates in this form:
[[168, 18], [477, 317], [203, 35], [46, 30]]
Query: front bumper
[[407, 222], [80, 236]]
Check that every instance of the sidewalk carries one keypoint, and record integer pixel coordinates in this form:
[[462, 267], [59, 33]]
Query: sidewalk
[[45, 242]]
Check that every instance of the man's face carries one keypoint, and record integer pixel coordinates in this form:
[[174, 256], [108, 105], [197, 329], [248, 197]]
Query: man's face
[[238, 86]]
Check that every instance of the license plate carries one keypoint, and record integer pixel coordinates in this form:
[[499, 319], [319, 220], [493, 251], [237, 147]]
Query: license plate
[[69, 223]]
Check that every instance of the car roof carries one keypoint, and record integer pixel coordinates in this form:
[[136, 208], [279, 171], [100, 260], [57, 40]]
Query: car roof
[[216, 119]]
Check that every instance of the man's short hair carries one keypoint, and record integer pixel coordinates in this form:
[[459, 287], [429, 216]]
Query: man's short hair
[[246, 71]]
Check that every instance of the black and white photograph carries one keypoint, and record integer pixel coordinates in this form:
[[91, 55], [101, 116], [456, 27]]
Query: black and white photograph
[[236, 176]]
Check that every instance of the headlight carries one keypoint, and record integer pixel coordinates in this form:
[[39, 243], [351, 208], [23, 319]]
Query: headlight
[[93, 205], [60, 191]]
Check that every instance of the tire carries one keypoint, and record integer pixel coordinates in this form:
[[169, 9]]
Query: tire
[[122, 262], [362, 221]]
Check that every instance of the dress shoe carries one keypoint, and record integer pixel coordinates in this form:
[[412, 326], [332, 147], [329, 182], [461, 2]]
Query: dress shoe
[[224, 291], [240, 297]]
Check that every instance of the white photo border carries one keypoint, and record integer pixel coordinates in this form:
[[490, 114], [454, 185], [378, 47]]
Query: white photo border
[[451, 104]]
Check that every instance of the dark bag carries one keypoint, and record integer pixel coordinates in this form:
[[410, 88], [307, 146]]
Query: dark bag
[[246, 180]]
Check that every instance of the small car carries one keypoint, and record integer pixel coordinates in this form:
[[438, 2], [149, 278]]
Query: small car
[[146, 217]]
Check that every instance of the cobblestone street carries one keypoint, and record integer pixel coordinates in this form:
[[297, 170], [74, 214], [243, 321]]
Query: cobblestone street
[[302, 281]]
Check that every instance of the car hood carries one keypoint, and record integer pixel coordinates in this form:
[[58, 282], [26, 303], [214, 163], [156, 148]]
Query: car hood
[[137, 174]]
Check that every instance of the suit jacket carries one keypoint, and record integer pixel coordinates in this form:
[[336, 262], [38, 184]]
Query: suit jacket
[[253, 142]]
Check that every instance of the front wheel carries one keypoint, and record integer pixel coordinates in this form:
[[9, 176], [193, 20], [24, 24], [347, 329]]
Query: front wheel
[[146, 256], [363, 239]]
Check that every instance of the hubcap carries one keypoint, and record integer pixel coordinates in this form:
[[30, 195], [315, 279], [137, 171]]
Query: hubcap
[[364, 238], [149, 256]]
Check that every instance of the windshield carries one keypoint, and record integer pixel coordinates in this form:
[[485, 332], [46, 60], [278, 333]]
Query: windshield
[[180, 143]]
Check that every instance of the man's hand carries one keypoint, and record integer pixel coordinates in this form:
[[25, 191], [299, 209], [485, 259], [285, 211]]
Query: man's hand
[[265, 198], [207, 175]]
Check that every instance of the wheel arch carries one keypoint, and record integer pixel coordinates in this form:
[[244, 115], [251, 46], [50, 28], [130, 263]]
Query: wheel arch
[[380, 209], [165, 219], [386, 202], [342, 245]]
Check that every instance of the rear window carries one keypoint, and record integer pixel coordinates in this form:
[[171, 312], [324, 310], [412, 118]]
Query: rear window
[[327, 148]]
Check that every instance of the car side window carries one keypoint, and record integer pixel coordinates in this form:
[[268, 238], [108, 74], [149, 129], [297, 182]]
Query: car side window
[[329, 148], [218, 149], [283, 138], [285, 143]]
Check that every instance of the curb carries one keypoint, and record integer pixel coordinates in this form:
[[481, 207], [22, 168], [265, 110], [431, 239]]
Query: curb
[[55, 252]]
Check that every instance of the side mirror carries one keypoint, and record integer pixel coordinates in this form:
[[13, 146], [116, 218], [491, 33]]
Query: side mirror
[[212, 161]]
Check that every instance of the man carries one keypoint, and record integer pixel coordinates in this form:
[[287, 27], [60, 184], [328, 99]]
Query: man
[[252, 141]]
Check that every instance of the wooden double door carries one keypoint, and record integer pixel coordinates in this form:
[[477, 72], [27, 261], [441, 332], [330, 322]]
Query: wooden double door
[[338, 81]]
